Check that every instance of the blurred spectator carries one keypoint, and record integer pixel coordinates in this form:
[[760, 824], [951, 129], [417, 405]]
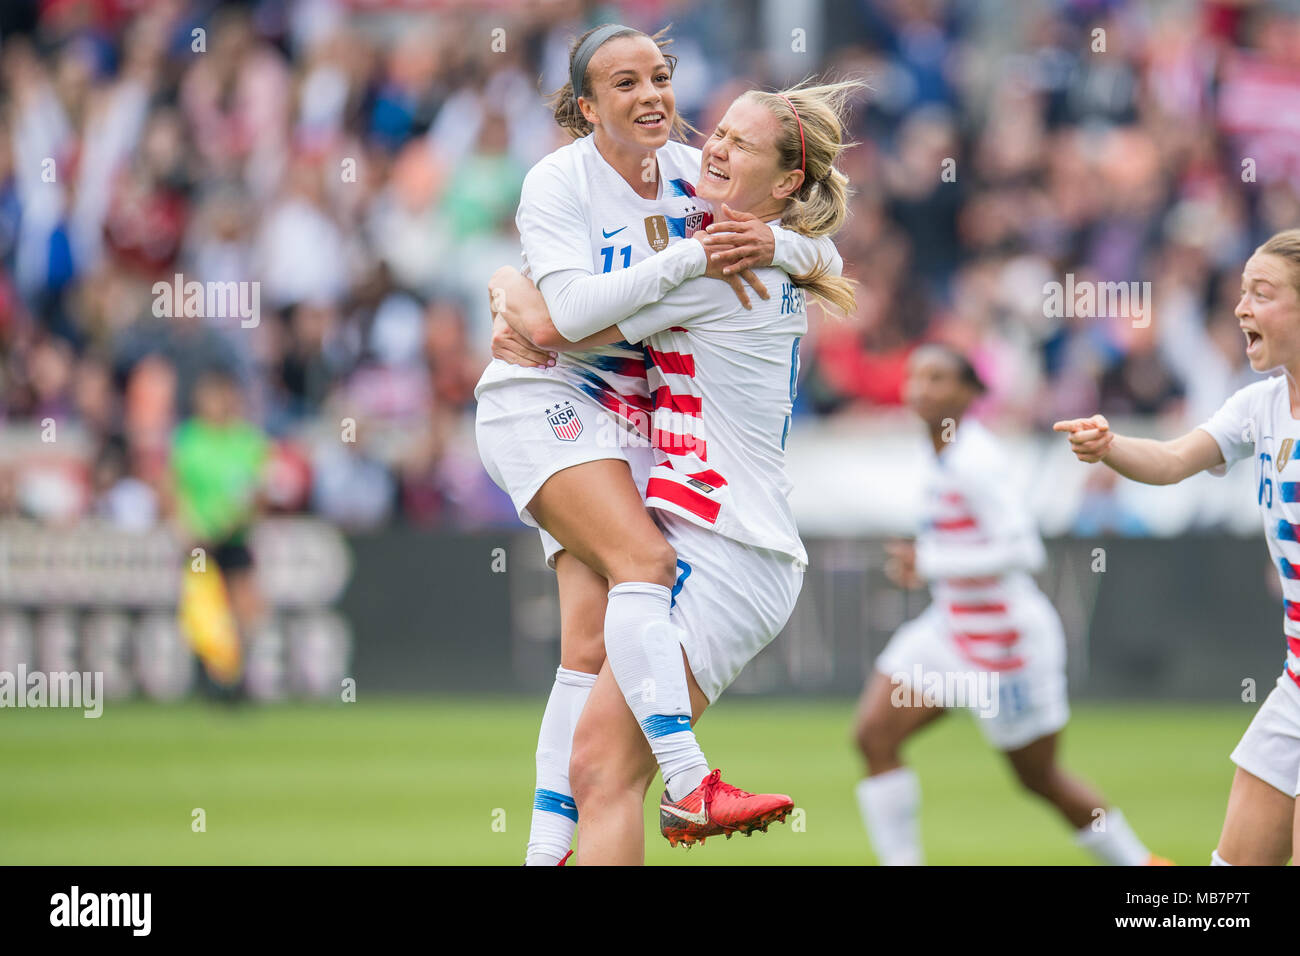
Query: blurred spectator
[[122, 499], [362, 168], [1103, 510]]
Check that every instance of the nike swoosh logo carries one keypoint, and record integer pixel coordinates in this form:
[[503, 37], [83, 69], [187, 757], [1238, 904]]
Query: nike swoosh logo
[[565, 806], [702, 818], [610, 235], [684, 720]]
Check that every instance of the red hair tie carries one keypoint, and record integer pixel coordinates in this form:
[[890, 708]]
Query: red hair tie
[[802, 153]]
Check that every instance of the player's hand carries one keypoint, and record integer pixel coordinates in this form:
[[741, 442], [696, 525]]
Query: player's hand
[[738, 287], [1090, 438], [900, 564], [715, 271], [509, 345], [738, 242]]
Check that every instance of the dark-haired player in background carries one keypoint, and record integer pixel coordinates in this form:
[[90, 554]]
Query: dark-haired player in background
[[990, 640]]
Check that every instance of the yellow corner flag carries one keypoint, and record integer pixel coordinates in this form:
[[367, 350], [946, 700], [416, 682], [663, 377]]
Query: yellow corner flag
[[208, 624]]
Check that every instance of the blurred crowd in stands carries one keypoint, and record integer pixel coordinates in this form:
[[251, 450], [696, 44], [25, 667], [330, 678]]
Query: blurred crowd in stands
[[361, 161]]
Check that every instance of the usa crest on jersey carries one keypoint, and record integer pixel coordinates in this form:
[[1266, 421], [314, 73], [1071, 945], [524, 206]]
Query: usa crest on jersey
[[564, 421]]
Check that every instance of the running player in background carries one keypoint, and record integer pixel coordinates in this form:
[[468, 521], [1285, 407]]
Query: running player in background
[[217, 464], [989, 638], [723, 379], [603, 224], [1260, 422]]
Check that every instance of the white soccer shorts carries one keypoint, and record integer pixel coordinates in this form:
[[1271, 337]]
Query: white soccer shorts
[[1012, 707], [1270, 748], [532, 428], [730, 599]]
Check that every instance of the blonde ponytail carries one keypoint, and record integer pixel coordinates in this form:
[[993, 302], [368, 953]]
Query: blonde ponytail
[[813, 140]]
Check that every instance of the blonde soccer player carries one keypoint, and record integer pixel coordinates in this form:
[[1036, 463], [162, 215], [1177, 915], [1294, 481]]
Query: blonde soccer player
[[1260, 422], [604, 225], [723, 380], [990, 641]]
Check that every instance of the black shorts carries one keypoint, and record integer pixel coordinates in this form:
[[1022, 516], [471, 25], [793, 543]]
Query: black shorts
[[232, 555]]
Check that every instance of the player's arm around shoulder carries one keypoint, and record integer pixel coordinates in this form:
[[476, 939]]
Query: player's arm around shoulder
[[1147, 460], [695, 301], [799, 255], [707, 305]]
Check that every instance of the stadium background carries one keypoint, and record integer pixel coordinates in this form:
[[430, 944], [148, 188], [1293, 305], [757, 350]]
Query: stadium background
[[361, 161]]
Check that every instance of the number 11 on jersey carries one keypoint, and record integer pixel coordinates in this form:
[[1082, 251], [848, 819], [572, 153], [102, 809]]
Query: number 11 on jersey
[[607, 254]]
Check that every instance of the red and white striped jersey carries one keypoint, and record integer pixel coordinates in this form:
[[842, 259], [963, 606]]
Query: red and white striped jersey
[[978, 546], [723, 379], [1256, 423]]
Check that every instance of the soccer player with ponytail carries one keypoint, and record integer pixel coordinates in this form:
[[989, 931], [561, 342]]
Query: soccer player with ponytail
[[723, 380], [604, 225]]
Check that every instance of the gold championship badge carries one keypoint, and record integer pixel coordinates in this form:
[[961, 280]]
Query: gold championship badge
[[656, 232]]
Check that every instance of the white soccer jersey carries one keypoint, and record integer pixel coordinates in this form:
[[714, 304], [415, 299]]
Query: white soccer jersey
[[723, 384], [1256, 423], [577, 213], [978, 547]]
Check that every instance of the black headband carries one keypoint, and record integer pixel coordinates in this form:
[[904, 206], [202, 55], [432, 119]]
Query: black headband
[[582, 56]]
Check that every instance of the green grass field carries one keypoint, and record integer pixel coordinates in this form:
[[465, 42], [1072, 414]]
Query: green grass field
[[397, 781]]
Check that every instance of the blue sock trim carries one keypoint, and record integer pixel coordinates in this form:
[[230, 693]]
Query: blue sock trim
[[553, 802], [661, 725]]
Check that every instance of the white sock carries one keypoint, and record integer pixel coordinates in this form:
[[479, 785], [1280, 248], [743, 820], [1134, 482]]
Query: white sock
[[1216, 860], [645, 655], [555, 813], [890, 803], [1116, 844]]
